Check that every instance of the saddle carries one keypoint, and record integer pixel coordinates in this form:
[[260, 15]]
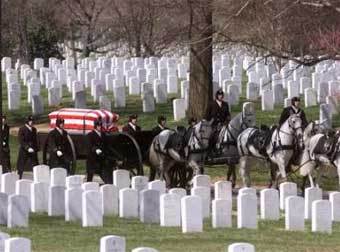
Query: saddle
[[260, 139]]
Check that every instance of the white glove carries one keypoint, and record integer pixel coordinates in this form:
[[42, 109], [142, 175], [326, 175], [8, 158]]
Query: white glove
[[30, 150], [3, 143], [59, 153], [98, 151]]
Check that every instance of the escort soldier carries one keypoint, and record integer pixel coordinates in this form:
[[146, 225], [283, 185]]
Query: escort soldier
[[132, 128], [28, 147], [59, 148], [293, 109], [96, 155], [161, 125], [5, 158]]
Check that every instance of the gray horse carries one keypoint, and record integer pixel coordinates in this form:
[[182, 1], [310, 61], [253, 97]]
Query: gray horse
[[279, 150], [189, 156], [227, 140]]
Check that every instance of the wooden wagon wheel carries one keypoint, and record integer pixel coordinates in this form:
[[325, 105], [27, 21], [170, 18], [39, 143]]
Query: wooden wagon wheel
[[180, 176], [125, 149]]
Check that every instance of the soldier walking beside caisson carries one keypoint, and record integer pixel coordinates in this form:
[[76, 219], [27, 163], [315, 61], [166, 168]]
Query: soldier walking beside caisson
[[5, 158], [59, 147], [28, 147], [96, 155]]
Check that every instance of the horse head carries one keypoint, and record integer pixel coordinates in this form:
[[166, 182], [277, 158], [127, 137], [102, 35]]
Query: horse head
[[203, 132], [295, 124]]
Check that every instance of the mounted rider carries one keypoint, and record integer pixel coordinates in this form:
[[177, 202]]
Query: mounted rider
[[293, 109], [219, 111]]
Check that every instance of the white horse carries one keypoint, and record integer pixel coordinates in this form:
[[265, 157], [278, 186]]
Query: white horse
[[279, 151], [227, 141], [315, 156]]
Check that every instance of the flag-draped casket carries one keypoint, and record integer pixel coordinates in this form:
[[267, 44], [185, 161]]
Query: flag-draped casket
[[81, 121]]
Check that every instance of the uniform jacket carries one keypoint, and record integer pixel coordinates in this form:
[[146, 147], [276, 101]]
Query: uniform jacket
[[220, 114], [130, 130], [59, 142], [288, 111], [94, 161], [156, 130], [27, 139], [5, 159]]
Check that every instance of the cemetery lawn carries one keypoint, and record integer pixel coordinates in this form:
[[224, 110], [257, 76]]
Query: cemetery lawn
[[54, 234]]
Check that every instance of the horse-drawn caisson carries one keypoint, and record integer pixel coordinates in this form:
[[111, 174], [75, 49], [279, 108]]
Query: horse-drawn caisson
[[177, 155]]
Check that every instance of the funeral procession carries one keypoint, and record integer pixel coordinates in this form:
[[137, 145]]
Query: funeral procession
[[170, 126]]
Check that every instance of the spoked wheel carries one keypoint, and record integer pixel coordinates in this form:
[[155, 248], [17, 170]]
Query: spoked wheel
[[180, 176], [124, 149]]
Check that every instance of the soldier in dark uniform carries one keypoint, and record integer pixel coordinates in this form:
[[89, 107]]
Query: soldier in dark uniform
[[5, 158], [96, 155], [161, 125], [59, 147], [191, 123], [219, 110], [293, 109], [131, 127], [28, 149]]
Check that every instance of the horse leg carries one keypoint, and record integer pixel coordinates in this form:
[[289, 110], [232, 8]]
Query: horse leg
[[244, 172], [311, 180], [231, 174], [272, 174]]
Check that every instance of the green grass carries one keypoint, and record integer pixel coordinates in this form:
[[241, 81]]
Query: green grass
[[54, 234]]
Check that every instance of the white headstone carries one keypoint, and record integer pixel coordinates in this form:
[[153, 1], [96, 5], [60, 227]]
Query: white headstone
[[286, 189], [158, 185], [8, 181], [310, 97], [334, 198], [41, 173], [128, 203], [180, 191], [247, 211], [191, 211], [110, 194], [56, 201], [170, 210], [112, 243], [221, 213], [294, 213], [121, 178], [201, 180], [139, 183], [73, 201], [74, 181], [322, 216], [90, 186], [18, 211], [3, 208], [179, 109], [241, 247], [311, 194], [149, 206], [270, 204], [17, 244], [58, 177], [204, 193], [92, 212], [267, 102], [23, 187]]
